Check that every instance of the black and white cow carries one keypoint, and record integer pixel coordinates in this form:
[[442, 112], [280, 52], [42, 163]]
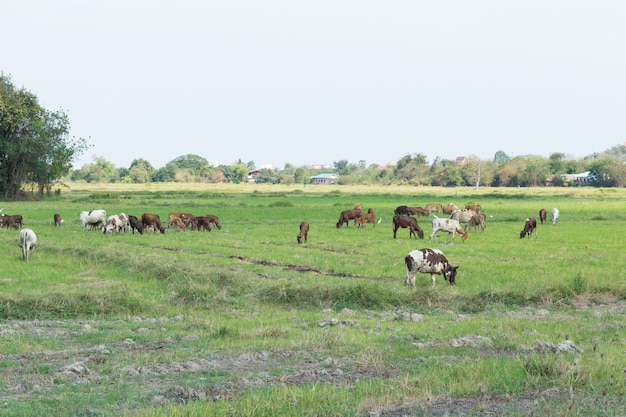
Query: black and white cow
[[428, 261]]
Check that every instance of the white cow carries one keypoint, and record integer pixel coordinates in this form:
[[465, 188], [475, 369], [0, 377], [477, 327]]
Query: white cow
[[116, 223], [428, 261], [452, 227], [555, 215], [93, 218], [28, 240]]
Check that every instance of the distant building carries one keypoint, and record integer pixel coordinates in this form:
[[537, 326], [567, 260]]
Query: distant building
[[324, 178], [460, 160], [584, 178]]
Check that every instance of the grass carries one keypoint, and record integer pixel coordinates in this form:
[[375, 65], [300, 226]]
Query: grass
[[236, 321]]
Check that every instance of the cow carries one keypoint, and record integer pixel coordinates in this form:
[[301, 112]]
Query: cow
[[135, 224], [152, 220], [304, 232], [201, 222], [463, 216], [185, 218], [477, 220], [428, 261], [449, 208], [475, 207], [555, 215], [407, 222], [348, 215], [434, 207], [28, 240], [214, 220], [116, 223], [529, 228], [57, 220], [402, 211], [93, 219], [363, 219], [178, 223], [419, 211], [451, 226], [542, 215], [11, 220]]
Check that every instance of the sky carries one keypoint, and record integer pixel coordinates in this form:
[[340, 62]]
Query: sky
[[314, 82]]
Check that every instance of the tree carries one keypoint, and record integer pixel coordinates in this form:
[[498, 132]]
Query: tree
[[34, 142], [500, 157]]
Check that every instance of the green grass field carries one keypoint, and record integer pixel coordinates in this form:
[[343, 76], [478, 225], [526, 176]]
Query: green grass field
[[243, 321]]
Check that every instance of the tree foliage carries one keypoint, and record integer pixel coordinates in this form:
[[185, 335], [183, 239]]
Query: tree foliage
[[35, 146]]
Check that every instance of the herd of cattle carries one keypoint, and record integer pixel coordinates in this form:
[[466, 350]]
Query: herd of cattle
[[427, 260], [122, 222]]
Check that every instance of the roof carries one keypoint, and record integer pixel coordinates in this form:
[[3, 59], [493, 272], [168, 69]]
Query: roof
[[325, 175]]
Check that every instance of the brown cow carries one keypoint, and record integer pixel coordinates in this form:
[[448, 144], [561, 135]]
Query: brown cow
[[304, 232], [11, 220], [135, 224], [214, 220], [201, 223], [477, 220], [369, 217], [529, 228], [407, 222], [434, 207], [348, 215], [475, 207], [419, 211], [543, 213], [449, 208], [185, 218], [57, 220], [152, 220]]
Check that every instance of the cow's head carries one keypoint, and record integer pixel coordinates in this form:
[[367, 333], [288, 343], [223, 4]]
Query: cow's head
[[450, 274]]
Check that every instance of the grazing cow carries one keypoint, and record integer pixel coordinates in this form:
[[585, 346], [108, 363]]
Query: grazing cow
[[201, 223], [15, 221], [213, 219], [451, 226], [177, 223], [93, 219], [363, 219], [428, 261], [407, 222], [116, 223], [555, 215], [135, 224], [152, 220], [529, 228], [449, 208], [477, 220], [348, 215], [402, 211], [419, 211], [57, 220], [434, 208], [185, 218], [28, 240], [304, 232], [463, 216], [475, 207], [11, 220], [542, 215]]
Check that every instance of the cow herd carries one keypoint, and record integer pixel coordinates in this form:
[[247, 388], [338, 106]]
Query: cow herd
[[433, 261]]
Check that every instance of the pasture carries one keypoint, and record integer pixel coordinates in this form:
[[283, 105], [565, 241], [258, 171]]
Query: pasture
[[244, 321]]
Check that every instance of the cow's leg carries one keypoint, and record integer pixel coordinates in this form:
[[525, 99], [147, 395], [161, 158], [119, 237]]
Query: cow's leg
[[410, 278], [432, 277]]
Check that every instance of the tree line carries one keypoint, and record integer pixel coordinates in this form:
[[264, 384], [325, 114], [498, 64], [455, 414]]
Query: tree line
[[36, 154], [607, 168]]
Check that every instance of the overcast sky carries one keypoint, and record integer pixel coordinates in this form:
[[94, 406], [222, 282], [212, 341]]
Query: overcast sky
[[305, 82]]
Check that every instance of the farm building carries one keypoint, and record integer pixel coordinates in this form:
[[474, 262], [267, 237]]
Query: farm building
[[585, 178], [324, 178]]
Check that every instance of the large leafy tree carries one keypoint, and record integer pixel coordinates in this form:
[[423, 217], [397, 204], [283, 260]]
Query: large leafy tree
[[35, 146]]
